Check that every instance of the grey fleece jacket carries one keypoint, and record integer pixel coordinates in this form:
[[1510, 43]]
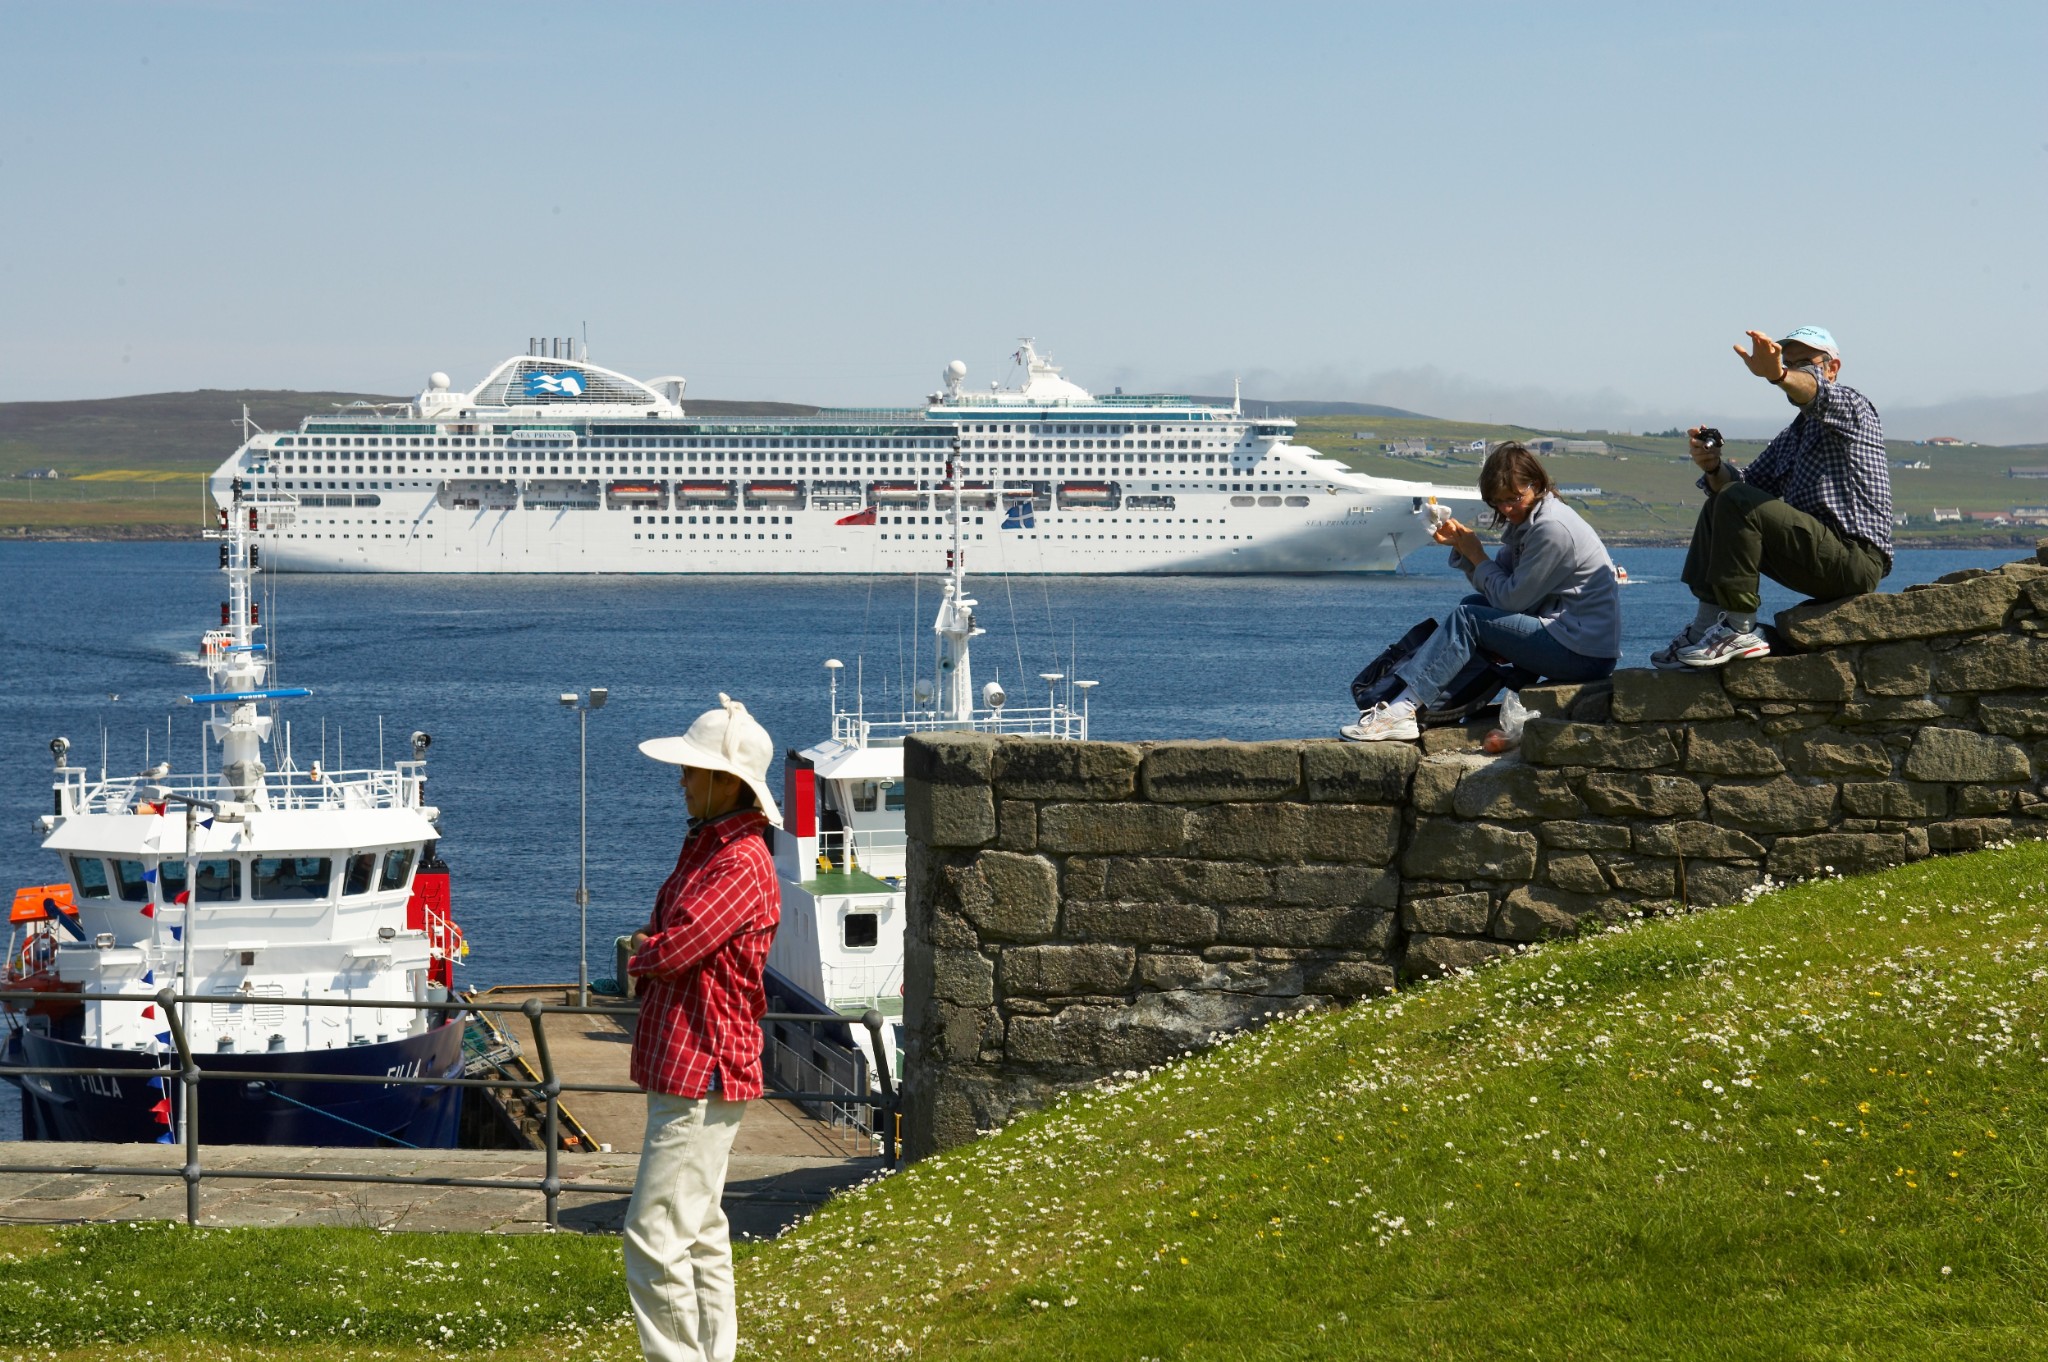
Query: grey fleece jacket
[[1554, 567]]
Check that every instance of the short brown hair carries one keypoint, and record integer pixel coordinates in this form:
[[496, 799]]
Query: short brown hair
[[1509, 469]]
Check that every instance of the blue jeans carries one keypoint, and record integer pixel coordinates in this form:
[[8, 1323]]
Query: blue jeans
[[1474, 627]]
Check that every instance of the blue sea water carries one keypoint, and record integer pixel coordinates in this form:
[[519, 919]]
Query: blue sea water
[[479, 661]]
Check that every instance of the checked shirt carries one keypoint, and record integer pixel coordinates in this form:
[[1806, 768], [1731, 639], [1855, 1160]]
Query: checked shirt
[[701, 997], [1830, 463]]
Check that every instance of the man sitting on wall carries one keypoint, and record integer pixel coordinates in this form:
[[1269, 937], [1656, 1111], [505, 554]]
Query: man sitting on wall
[[1813, 512]]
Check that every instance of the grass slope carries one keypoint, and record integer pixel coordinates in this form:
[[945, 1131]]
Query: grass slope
[[1807, 1127]]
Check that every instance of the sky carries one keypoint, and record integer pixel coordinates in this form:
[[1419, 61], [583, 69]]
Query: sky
[[1562, 215]]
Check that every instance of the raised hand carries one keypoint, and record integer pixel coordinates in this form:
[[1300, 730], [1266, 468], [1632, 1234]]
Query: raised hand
[[1706, 456], [1766, 358]]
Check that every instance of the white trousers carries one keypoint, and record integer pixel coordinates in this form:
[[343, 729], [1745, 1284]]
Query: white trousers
[[678, 1246]]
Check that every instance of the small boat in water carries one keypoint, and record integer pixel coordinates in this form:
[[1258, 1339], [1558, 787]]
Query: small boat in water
[[257, 884]]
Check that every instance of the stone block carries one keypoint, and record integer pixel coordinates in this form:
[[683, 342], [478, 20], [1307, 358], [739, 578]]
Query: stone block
[[1162, 924], [1839, 853], [1346, 978], [1333, 886], [964, 978], [1157, 1027], [1711, 884], [1453, 740], [1159, 880], [1577, 873], [1532, 914], [1247, 832], [1816, 676], [1509, 790], [1894, 799], [1831, 752], [1552, 701], [1357, 772], [1781, 805], [1697, 839], [1430, 957], [1957, 754], [1103, 829], [1968, 834], [1897, 709], [2015, 716], [1219, 771], [1970, 607], [1364, 833], [1443, 848], [1651, 877], [2001, 662], [1551, 742], [1977, 801], [1896, 669], [1165, 973], [1054, 971], [1436, 782], [1644, 696], [1017, 825], [1646, 794], [1455, 914], [948, 800], [1360, 928], [1018, 898], [1051, 768], [1584, 836], [964, 1032]]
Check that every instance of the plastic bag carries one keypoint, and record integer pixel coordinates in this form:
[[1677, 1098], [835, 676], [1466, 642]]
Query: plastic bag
[[1514, 715]]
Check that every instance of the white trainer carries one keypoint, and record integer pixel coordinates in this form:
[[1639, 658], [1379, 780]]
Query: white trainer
[[1384, 723], [1722, 644]]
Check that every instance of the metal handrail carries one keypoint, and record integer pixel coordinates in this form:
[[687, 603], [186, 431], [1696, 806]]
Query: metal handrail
[[549, 1086]]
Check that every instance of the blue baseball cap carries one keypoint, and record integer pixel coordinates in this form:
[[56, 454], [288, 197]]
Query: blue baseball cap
[[1815, 338]]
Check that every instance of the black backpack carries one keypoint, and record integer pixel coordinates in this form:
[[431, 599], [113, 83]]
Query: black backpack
[[1471, 690]]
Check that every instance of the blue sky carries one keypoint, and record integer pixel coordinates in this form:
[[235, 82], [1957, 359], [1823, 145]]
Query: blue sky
[[1547, 213]]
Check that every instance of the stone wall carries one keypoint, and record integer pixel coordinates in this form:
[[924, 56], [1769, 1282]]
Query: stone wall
[[1078, 909]]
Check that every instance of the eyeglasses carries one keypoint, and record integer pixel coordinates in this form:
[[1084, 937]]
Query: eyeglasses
[[1508, 503]]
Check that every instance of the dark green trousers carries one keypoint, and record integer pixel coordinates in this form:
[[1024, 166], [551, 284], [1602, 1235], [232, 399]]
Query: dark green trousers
[[1745, 533]]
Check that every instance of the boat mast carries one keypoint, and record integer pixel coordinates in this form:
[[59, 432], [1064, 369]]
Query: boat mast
[[236, 663], [955, 625]]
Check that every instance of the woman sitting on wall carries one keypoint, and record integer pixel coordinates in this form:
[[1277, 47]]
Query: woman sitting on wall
[[1548, 603]]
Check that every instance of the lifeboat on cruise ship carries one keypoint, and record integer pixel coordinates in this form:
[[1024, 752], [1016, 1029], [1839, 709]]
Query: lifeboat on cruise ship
[[1103, 494], [775, 494], [705, 494], [645, 495], [974, 496], [895, 494]]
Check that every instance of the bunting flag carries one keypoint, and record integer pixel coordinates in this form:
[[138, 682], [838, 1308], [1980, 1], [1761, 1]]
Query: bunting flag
[[148, 910], [177, 933], [156, 1084], [149, 875], [163, 1038], [168, 1137], [149, 976], [149, 1011], [162, 1111], [183, 894], [206, 822]]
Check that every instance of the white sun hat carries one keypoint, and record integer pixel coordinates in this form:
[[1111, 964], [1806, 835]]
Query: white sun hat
[[724, 739]]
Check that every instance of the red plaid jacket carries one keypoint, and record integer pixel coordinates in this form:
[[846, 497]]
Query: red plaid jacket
[[701, 997]]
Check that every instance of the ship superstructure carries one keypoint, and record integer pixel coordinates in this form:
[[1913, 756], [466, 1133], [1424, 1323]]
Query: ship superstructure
[[554, 464], [254, 882]]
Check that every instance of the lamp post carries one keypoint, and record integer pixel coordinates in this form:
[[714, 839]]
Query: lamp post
[[583, 703]]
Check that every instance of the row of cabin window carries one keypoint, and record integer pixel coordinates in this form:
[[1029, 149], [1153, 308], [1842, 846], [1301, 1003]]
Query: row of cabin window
[[271, 878]]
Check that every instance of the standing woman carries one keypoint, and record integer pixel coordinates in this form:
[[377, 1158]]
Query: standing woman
[[697, 1049], [1548, 602]]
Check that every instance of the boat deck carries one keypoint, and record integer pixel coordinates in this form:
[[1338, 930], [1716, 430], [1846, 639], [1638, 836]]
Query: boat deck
[[855, 881]]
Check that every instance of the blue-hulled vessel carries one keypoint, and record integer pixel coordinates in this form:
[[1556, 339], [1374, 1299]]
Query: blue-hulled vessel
[[256, 884]]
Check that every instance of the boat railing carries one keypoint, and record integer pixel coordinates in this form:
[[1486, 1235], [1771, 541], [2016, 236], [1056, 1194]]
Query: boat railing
[[1054, 721], [872, 851], [183, 1079], [400, 786]]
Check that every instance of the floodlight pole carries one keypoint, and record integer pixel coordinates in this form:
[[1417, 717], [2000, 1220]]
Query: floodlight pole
[[594, 698]]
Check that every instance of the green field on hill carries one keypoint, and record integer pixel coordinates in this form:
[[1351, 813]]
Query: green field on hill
[[136, 462], [1805, 1127]]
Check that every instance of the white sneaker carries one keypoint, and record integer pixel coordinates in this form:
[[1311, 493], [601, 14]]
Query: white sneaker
[[1666, 659], [1722, 644], [1384, 723]]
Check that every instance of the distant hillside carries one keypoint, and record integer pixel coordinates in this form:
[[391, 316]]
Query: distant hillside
[[196, 429]]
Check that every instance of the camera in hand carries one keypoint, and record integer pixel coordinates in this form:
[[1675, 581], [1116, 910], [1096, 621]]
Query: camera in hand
[[1709, 437]]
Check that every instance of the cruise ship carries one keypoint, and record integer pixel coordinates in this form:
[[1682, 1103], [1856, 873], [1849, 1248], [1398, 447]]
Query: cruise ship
[[553, 464]]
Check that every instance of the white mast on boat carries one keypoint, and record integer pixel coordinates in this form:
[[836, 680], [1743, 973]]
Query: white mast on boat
[[955, 625]]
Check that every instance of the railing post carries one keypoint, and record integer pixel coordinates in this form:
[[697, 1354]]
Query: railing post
[[551, 1088], [188, 1075], [872, 1020]]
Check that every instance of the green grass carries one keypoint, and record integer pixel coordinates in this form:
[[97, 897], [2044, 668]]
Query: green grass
[[1807, 1127]]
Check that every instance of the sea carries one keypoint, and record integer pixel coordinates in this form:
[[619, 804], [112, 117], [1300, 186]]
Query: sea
[[100, 643]]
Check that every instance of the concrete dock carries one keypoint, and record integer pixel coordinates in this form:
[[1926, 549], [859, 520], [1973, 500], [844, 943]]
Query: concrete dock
[[784, 1164]]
